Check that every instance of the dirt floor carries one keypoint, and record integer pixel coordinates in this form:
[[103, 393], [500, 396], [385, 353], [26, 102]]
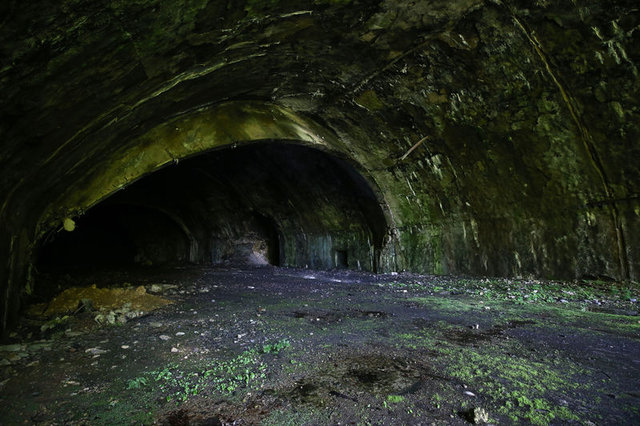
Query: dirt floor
[[280, 346]]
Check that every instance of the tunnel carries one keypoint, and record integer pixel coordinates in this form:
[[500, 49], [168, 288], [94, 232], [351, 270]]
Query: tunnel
[[268, 203], [393, 207]]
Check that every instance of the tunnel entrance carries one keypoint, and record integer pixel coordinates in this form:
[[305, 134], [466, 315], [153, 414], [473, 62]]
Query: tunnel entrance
[[342, 259], [266, 203], [268, 248]]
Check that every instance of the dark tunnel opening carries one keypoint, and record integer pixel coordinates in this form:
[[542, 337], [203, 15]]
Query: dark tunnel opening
[[267, 203], [115, 234]]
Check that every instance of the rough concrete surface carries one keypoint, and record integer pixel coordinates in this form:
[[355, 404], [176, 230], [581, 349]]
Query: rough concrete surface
[[292, 346]]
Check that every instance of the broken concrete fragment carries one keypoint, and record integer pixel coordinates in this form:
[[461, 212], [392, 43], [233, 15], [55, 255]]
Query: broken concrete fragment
[[476, 416], [96, 351]]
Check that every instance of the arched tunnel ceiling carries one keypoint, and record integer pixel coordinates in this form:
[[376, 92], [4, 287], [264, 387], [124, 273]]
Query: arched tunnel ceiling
[[530, 112], [306, 204]]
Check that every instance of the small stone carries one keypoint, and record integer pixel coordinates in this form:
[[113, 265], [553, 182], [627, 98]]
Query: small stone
[[155, 324], [480, 416], [164, 337], [96, 351], [469, 393], [43, 345], [111, 317], [17, 356], [174, 350], [161, 288], [180, 333], [125, 346], [564, 301], [476, 416], [11, 348]]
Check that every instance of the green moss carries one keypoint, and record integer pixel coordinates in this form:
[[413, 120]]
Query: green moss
[[369, 99], [395, 398], [175, 382], [522, 388], [551, 313]]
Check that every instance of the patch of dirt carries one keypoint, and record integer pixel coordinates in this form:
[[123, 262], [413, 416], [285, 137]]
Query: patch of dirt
[[362, 376], [330, 316], [101, 298]]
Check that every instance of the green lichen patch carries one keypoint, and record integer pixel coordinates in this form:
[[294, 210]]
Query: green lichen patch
[[179, 382], [516, 386], [370, 100]]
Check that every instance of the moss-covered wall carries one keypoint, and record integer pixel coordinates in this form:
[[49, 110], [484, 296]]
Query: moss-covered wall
[[527, 111]]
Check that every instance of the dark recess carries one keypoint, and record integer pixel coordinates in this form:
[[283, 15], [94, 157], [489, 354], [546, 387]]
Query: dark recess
[[268, 203]]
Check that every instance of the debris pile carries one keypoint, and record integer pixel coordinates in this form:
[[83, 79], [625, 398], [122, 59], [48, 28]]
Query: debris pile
[[114, 305]]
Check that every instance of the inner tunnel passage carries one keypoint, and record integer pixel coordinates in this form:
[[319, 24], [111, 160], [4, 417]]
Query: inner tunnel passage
[[265, 203]]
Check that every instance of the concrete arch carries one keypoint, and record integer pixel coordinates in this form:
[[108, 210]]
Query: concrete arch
[[199, 131]]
